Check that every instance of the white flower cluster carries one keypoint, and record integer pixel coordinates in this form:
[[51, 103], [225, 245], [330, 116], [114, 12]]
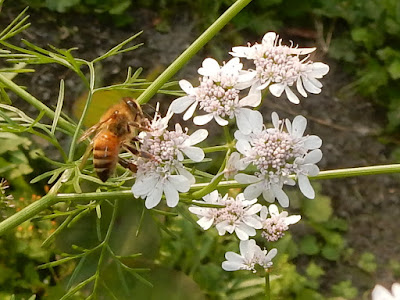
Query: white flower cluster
[[267, 157], [164, 173]]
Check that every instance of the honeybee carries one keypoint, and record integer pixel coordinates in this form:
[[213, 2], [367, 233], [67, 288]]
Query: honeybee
[[117, 128]]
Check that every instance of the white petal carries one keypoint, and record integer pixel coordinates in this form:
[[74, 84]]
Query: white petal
[[205, 222], [252, 222], [269, 38], [300, 88], [254, 190], [315, 82], [179, 182], [313, 157], [243, 120], [189, 176], [291, 96], [319, 69], [252, 100], [144, 186], [186, 86], [201, 120], [210, 67], [313, 142], [302, 51], [220, 121], [283, 199], [154, 197], [233, 66], [264, 212], [275, 119], [194, 153], [292, 219], [171, 194], [254, 209], [277, 89], [305, 186], [310, 87], [199, 211], [231, 266], [247, 248], [181, 104], [268, 195], [240, 51], [396, 290], [271, 254], [198, 136], [246, 179], [242, 234], [310, 170], [189, 113], [380, 293], [242, 146], [273, 210], [233, 257], [299, 126]]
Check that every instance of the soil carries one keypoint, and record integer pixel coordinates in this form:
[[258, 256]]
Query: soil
[[348, 124]]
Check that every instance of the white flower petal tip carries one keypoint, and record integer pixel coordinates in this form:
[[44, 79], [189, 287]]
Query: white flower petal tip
[[250, 256]]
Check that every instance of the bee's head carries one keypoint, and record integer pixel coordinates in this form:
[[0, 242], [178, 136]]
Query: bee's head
[[132, 104]]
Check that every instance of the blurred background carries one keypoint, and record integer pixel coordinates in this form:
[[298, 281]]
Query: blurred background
[[348, 239]]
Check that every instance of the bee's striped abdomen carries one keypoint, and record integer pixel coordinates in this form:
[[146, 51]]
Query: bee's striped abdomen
[[105, 154]]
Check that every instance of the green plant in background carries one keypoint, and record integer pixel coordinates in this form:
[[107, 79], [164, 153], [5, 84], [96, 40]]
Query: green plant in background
[[108, 244]]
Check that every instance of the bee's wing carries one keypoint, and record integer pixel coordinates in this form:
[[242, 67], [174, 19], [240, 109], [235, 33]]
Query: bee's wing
[[93, 129]]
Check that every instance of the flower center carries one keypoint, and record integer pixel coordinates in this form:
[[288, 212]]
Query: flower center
[[278, 65], [232, 212], [274, 228], [273, 152], [218, 97]]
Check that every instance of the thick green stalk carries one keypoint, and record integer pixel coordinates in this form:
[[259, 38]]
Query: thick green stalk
[[64, 124], [267, 286], [192, 50]]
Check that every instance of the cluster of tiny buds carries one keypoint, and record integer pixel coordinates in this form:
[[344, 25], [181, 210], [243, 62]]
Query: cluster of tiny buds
[[274, 152], [217, 97], [274, 228], [232, 211], [278, 64]]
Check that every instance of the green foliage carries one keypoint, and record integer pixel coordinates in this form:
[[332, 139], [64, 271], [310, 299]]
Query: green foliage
[[345, 289], [367, 262]]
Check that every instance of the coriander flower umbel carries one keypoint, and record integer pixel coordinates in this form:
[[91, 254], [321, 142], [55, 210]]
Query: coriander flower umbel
[[164, 172], [277, 154], [274, 227], [238, 215], [250, 255], [279, 67], [218, 95], [380, 293]]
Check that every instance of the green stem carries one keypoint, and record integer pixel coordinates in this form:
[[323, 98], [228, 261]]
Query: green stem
[[77, 132], [36, 207], [104, 246], [216, 148], [192, 50], [64, 124], [358, 171], [267, 286]]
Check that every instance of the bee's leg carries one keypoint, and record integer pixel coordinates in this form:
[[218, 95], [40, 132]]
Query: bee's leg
[[128, 165], [137, 152], [85, 156]]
